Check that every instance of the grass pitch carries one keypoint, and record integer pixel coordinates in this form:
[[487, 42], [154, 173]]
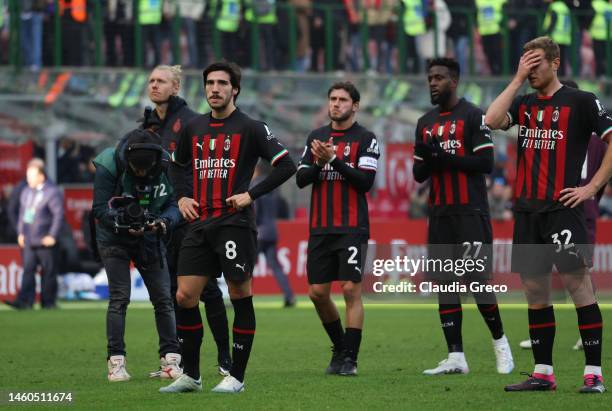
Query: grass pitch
[[65, 350]]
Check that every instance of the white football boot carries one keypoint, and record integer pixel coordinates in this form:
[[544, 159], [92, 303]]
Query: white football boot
[[454, 364], [116, 369], [503, 355], [229, 384], [184, 383]]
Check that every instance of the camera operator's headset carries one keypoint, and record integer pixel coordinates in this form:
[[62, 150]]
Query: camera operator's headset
[[121, 160]]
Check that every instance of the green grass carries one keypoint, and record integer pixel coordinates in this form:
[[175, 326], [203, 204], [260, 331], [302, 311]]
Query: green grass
[[65, 350]]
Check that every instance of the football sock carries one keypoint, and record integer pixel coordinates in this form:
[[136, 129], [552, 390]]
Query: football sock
[[336, 334], [244, 334], [450, 318], [217, 321], [190, 332], [542, 333], [490, 313], [352, 341], [590, 325]]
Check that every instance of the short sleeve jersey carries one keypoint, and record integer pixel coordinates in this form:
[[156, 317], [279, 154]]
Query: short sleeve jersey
[[460, 132], [336, 207], [553, 136], [223, 155]]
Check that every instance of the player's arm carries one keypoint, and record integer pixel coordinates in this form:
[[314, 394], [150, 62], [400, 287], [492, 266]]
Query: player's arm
[[497, 114], [278, 156], [601, 123], [480, 160], [421, 169], [308, 169]]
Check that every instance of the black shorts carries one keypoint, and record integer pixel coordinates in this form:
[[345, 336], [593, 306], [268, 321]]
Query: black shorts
[[541, 240], [336, 257], [211, 251], [465, 240]]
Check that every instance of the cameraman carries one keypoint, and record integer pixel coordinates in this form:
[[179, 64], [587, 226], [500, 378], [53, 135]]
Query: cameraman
[[133, 206]]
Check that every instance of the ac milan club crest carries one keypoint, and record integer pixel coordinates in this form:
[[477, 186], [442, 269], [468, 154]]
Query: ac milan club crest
[[555, 115], [453, 127], [347, 151], [176, 127], [226, 144]]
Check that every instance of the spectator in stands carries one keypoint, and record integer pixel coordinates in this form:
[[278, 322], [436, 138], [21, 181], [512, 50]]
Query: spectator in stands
[[414, 27], [119, 22], [380, 15], [303, 12], [150, 18], [41, 214], [459, 30], [30, 31], [489, 19], [522, 24], [602, 21], [73, 14], [558, 26], [317, 38], [437, 22], [191, 12], [354, 47], [262, 20]]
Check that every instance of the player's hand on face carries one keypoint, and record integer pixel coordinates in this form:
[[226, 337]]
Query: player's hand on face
[[572, 197], [528, 61], [239, 201], [188, 208]]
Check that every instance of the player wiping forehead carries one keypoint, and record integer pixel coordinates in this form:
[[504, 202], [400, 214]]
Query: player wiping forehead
[[555, 126], [222, 148]]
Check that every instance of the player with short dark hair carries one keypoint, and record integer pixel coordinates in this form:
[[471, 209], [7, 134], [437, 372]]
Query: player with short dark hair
[[555, 124], [453, 149], [222, 148], [340, 161], [170, 115]]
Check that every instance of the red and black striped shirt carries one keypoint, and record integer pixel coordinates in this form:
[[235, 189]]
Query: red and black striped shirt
[[553, 137], [223, 155], [336, 205], [461, 132]]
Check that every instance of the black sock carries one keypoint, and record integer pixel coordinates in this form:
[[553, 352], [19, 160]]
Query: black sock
[[450, 318], [190, 332], [590, 325], [243, 333], [490, 313], [336, 334], [217, 321], [352, 341], [542, 333]]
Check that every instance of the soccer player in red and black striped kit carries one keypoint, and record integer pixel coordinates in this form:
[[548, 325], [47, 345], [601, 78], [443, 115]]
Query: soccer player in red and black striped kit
[[555, 125], [340, 161], [453, 149], [222, 148]]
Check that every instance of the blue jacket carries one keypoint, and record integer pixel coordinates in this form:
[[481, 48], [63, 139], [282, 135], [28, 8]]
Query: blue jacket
[[41, 213]]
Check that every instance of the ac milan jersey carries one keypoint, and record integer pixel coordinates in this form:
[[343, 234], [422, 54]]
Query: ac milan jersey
[[336, 207], [223, 155], [553, 137], [460, 132]]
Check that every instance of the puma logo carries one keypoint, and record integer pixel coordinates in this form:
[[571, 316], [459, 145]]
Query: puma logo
[[428, 133], [201, 145], [242, 267], [528, 115], [358, 270]]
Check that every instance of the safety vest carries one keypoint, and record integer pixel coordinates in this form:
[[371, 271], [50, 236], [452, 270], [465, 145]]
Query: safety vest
[[414, 20], [601, 20], [489, 16], [150, 11], [562, 32], [229, 16], [1, 13], [268, 18], [78, 9]]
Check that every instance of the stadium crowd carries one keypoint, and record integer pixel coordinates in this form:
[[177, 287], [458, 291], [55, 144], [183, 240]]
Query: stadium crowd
[[386, 36]]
